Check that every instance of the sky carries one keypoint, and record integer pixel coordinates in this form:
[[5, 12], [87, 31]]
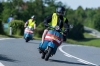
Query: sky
[[75, 3], [84, 3]]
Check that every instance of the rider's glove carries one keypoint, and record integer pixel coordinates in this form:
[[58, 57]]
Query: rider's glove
[[65, 31]]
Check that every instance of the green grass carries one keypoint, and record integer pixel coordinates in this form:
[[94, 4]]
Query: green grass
[[37, 38], [16, 36], [13, 36], [3, 36], [87, 35], [89, 40]]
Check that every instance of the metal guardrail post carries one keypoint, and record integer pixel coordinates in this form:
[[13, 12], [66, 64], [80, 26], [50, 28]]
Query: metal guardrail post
[[10, 33]]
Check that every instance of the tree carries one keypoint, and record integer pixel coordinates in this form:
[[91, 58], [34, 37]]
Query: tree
[[75, 18], [97, 21], [80, 14], [89, 17], [1, 9], [1, 27], [6, 11]]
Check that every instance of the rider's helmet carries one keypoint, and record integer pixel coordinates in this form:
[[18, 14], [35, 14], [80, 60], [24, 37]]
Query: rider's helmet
[[60, 11], [33, 17]]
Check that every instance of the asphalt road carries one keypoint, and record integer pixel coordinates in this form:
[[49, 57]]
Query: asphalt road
[[92, 31], [16, 52]]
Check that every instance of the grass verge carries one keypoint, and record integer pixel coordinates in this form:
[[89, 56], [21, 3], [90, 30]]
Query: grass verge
[[89, 40]]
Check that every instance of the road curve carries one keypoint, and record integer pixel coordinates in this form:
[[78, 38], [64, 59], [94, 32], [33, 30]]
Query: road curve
[[16, 52]]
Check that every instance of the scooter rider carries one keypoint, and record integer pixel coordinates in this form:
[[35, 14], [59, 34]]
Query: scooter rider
[[31, 23], [56, 19]]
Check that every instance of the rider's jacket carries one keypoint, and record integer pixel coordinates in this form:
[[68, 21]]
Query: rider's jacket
[[31, 23], [54, 20]]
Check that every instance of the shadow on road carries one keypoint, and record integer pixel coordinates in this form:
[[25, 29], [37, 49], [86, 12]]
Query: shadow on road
[[5, 58], [67, 62], [32, 42]]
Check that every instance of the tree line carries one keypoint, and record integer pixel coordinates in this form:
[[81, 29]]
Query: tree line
[[23, 10]]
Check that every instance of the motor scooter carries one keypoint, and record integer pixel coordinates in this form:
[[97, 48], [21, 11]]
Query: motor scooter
[[28, 34], [52, 41]]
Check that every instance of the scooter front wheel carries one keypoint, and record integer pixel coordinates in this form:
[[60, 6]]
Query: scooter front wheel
[[27, 39], [48, 54], [43, 55]]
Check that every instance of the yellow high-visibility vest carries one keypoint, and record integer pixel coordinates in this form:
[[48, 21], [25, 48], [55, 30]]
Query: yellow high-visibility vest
[[55, 19], [31, 23]]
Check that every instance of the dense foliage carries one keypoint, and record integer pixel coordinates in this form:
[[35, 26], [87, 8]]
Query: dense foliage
[[1, 28], [22, 10]]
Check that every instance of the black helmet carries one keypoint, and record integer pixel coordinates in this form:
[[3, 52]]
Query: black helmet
[[60, 10]]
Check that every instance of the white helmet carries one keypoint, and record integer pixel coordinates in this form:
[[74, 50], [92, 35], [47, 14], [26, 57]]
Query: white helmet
[[33, 16]]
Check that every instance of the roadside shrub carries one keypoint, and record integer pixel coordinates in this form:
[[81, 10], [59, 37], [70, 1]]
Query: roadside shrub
[[39, 30], [17, 27], [76, 32]]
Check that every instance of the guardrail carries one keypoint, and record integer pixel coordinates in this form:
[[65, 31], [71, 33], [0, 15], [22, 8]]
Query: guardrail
[[6, 27]]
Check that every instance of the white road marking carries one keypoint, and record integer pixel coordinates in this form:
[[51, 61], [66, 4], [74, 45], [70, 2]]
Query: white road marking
[[1, 64], [71, 56]]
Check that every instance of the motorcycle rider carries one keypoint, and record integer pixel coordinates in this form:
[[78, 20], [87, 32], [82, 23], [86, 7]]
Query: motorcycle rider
[[57, 19], [31, 23]]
